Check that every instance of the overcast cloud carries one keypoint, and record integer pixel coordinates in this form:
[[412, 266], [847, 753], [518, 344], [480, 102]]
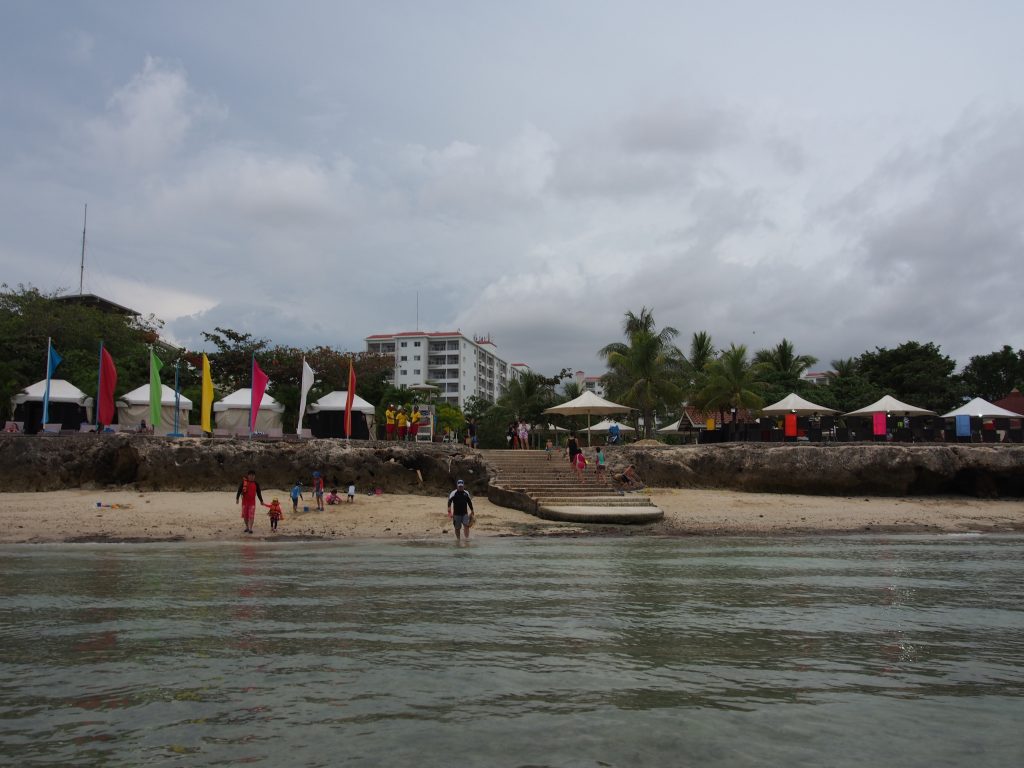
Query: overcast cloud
[[843, 177]]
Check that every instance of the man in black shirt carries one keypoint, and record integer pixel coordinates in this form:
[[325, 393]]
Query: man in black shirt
[[460, 509]]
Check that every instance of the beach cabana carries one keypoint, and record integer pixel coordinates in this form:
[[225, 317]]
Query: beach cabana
[[981, 409], [232, 413], [793, 403], [890, 405], [588, 404], [69, 406], [327, 416], [134, 408]]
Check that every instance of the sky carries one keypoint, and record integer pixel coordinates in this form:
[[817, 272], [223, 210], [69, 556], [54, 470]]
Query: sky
[[843, 175]]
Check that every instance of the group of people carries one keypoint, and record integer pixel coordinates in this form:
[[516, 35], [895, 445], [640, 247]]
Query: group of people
[[518, 434], [400, 425], [249, 491], [627, 480]]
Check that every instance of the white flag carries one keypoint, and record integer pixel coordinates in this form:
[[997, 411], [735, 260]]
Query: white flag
[[307, 382]]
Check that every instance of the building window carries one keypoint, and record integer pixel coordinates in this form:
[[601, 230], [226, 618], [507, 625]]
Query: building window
[[404, 343], [415, 371], [415, 343], [404, 372], [415, 357], [403, 358]]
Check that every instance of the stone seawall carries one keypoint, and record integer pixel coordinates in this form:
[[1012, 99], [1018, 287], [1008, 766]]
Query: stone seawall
[[30, 463], [885, 469]]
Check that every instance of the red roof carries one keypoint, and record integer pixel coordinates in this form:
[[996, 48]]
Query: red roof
[[1012, 402]]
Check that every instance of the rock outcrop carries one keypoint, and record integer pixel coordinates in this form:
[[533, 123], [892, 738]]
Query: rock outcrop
[[30, 463], [884, 469]]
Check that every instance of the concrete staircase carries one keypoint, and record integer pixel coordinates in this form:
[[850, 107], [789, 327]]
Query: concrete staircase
[[548, 488]]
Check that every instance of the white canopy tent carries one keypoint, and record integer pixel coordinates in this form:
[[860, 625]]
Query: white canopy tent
[[793, 403], [67, 403], [335, 401], [133, 408], [981, 409], [891, 405], [590, 404], [232, 412], [602, 427]]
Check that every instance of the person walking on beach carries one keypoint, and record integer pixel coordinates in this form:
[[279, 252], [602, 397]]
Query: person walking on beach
[[296, 494], [318, 491], [275, 513], [248, 492], [351, 492], [460, 510]]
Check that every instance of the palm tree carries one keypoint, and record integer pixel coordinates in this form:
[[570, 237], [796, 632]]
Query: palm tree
[[702, 352], [845, 367], [642, 373], [783, 360], [732, 381]]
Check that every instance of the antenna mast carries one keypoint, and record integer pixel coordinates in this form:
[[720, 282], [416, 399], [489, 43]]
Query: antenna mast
[[81, 267]]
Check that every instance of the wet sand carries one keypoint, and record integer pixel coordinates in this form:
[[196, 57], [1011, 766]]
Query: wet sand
[[73, 516]]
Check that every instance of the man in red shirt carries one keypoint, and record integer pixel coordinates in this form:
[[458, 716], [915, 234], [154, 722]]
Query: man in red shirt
[[248, 492]]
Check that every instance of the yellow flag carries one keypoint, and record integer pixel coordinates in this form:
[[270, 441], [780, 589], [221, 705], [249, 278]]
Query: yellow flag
[[207, 395]]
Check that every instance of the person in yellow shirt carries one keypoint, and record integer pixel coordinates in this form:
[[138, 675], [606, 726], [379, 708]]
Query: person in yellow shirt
[[414, 423], [402, 420], [389, 421]]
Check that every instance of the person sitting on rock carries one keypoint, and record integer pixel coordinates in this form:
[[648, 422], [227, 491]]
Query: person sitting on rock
[[628, 479]]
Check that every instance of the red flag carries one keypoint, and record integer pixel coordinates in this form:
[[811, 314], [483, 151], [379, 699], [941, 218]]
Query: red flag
[[259, 386], [108, 382], [349, 398]]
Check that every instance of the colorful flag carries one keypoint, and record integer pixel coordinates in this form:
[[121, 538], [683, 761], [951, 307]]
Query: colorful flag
[[879, 426], [156, 390], [350, 397], [52, 361], [259, 386], [207, 395], [108, 382], [307, 382]]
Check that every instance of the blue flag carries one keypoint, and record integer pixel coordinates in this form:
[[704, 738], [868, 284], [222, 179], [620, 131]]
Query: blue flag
[[55, 360]]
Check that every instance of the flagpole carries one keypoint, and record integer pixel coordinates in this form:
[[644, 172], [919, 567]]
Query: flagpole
[[252, 390], [99, 388], [46, 392], [177, 398]]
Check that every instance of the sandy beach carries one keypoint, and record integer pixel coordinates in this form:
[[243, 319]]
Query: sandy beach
[[124, 515]]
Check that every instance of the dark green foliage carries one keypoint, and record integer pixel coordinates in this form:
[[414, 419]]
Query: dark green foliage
[[918, 374], [994, 375]]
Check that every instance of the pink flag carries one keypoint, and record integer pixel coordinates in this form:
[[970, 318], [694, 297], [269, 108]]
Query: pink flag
[[259, 386], [349, 398], [879, 424]]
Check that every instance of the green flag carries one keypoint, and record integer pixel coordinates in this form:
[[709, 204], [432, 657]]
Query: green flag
[[155, 390]]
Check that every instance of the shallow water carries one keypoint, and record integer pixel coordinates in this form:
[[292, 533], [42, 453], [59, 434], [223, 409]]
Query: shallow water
[[837, 651]]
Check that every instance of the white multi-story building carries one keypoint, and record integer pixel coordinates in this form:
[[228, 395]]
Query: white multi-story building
[[590, 383], [459, 366]]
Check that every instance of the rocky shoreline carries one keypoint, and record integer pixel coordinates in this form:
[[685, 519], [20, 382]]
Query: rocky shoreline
[[30, 463]]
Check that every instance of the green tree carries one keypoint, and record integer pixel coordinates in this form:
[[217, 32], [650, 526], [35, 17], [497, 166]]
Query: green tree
[[916, 373], [526, 397], [29, 317], [645, 371], [732, 381], [994, 375], [844, 366], [701, 352]]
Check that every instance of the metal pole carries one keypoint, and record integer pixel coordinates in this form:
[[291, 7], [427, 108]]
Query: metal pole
[[81, 266]]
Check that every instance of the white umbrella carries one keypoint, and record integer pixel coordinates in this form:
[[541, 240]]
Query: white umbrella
[[590, 404], [602, 426], [890, 404], [673, 427], [982, 409], [793, 403]]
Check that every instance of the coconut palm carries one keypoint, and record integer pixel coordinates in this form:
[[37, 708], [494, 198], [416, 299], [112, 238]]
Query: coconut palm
[[643, 372], [527, 395], [845, 367], [702, 352], [783, 360], [732, 381]]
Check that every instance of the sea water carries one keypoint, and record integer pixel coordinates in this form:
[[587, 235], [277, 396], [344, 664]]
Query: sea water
[[837, 651]]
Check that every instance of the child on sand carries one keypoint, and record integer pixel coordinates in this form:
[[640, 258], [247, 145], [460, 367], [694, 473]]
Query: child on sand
[[351, 492], [276, 514], [318, 491], [334, 498], [296, 495]]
